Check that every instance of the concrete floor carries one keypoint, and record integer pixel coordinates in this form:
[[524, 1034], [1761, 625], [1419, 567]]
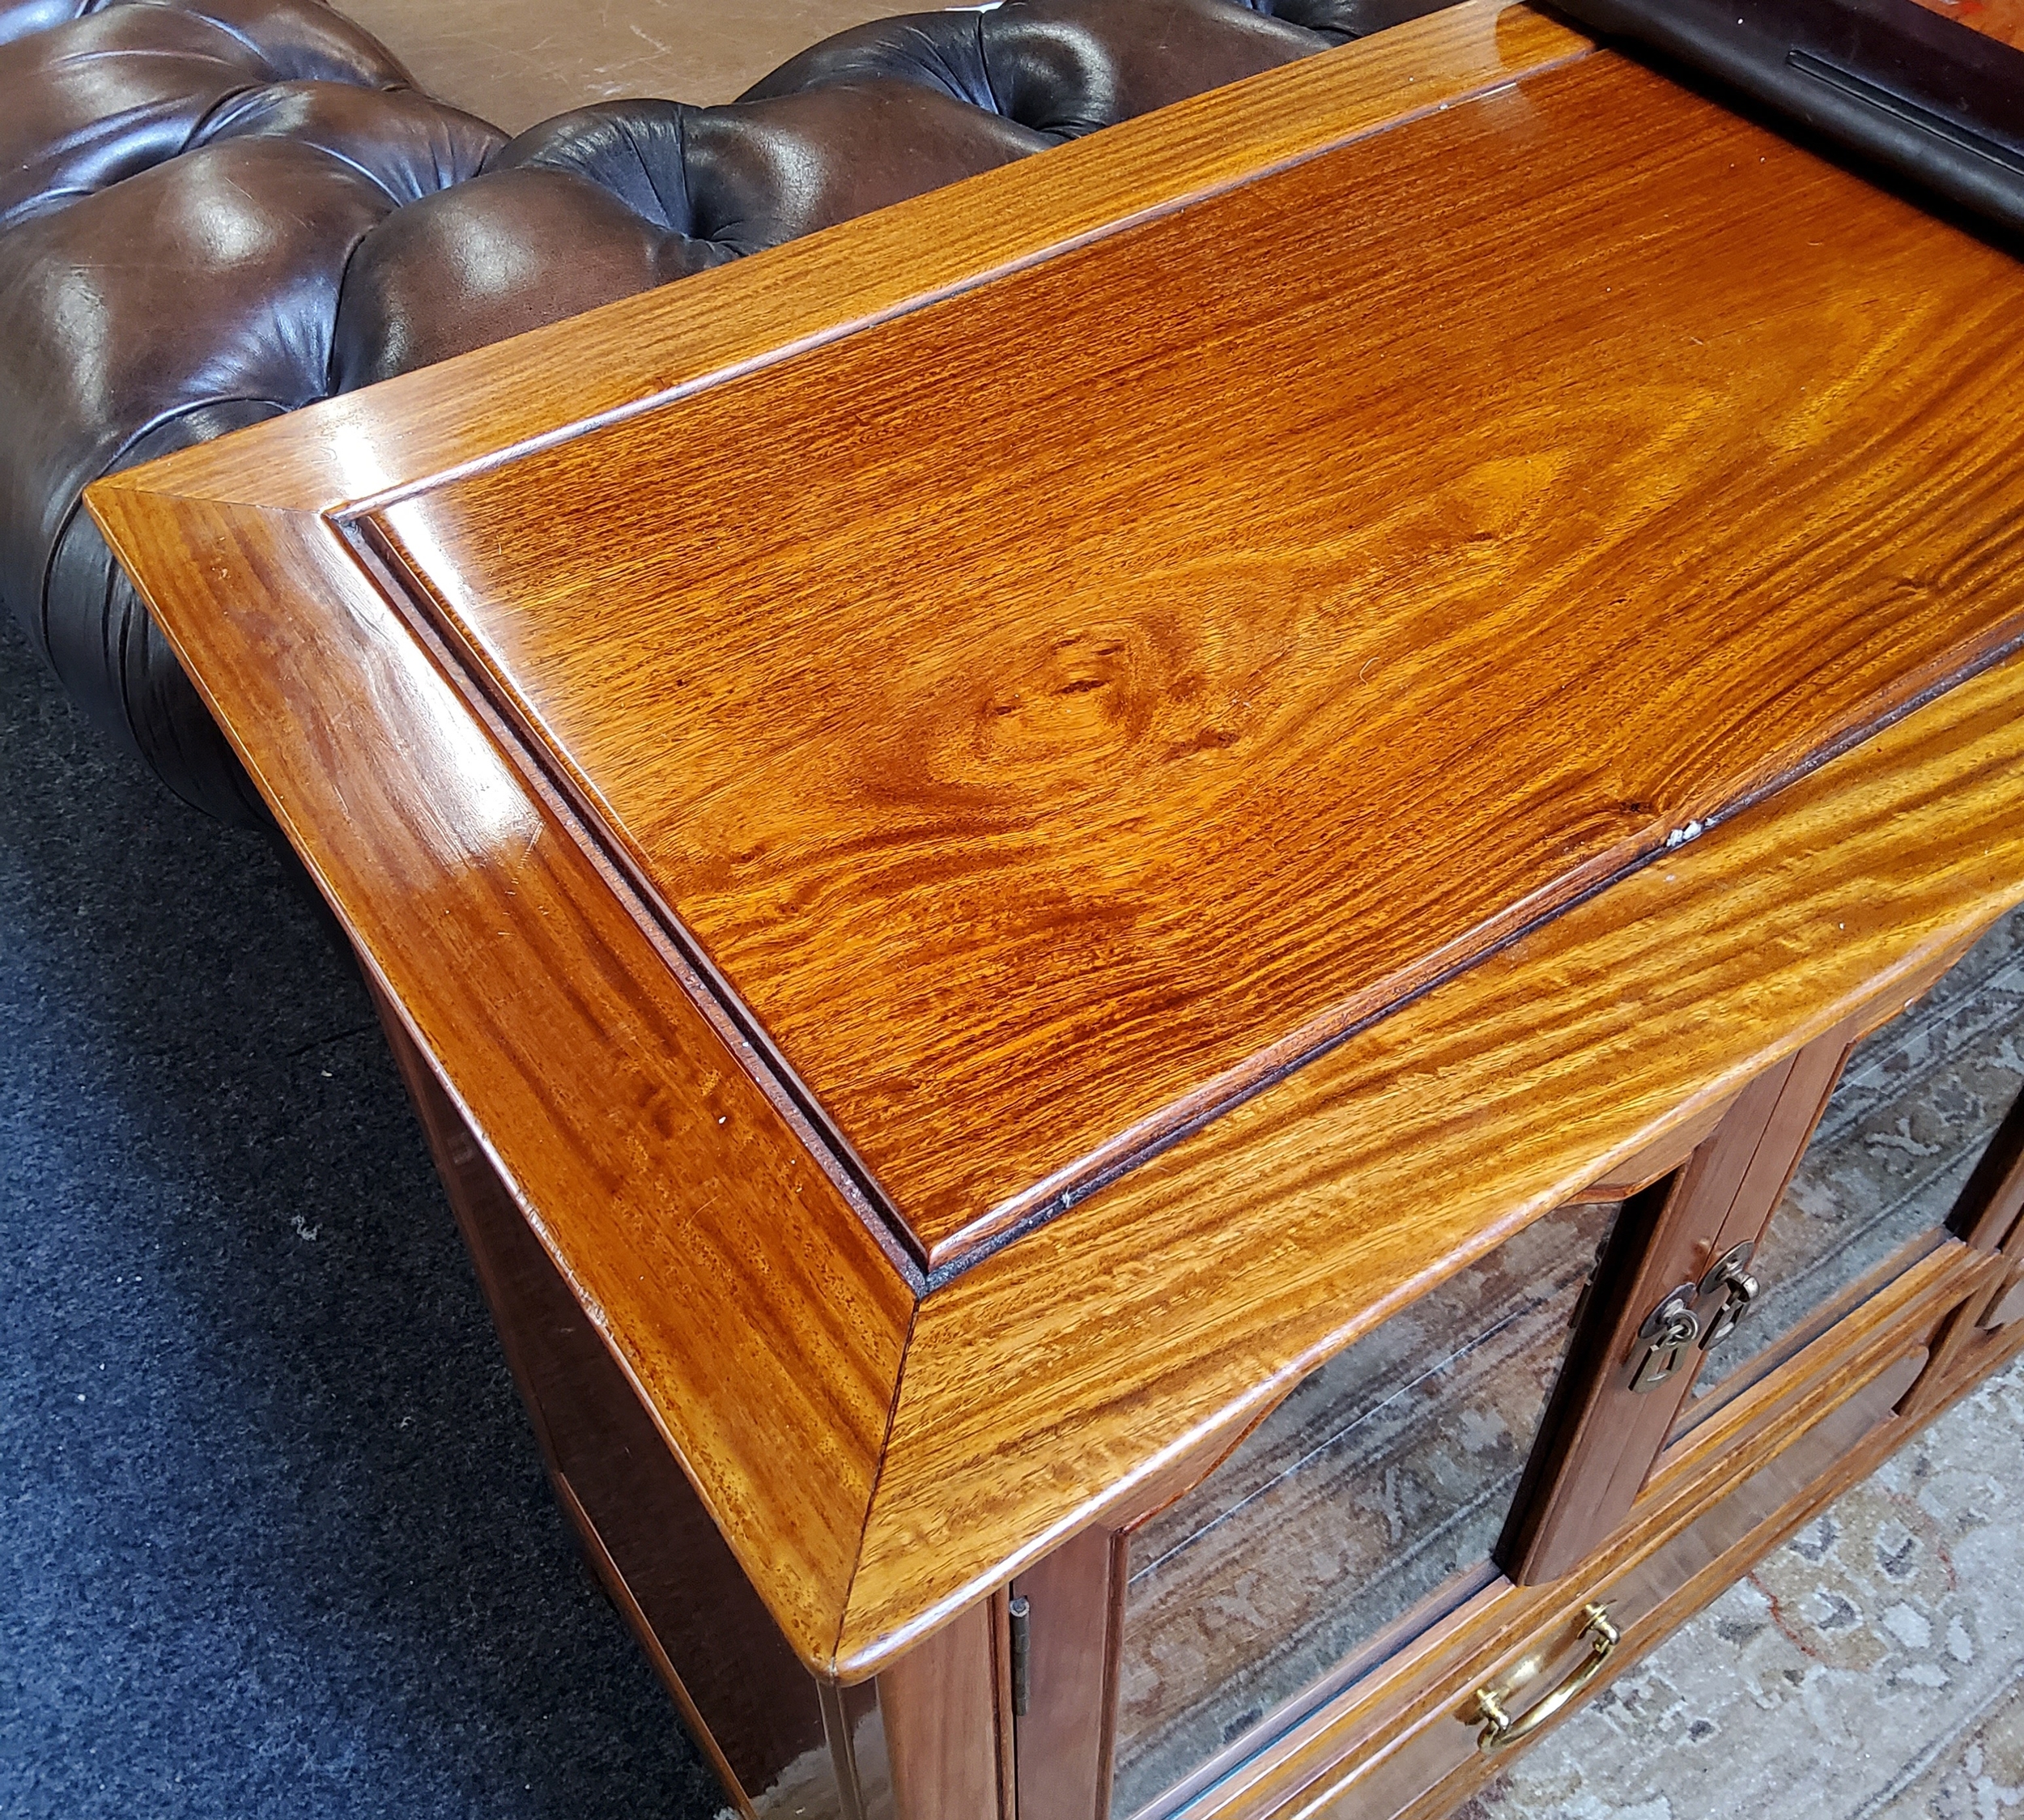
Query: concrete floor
[[516, 62]]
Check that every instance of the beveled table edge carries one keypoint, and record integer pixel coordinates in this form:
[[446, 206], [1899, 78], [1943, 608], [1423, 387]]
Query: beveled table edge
[[1669, 992]]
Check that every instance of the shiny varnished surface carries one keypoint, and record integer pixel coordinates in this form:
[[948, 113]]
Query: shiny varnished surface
[[689, 1207], [1048, 747], [748, 1300], [1204, 1285], [761, 1324], [642, 349]]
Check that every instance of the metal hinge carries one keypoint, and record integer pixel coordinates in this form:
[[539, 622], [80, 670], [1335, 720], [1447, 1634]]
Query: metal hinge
[[1021, 1614]]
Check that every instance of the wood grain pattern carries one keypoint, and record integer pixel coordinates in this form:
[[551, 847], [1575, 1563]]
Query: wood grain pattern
[[1196, 1290], [1669, 1152], [1049, 748], [631, 356], [1077, 1598], [942, 1722], [705, 1229], [655, 1158], [760, 1323], [750, 1703]]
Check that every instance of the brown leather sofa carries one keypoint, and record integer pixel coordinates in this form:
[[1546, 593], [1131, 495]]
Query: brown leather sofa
[[212, 211]]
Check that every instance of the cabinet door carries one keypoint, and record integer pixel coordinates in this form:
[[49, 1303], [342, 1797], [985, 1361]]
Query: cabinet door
[[1892, 1167], [1652, 1303], [1499, 1433], [1505, 1422], [1366, 1506]]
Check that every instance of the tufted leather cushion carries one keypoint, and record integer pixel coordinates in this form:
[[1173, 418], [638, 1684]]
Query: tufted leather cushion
[[215, 210], [509, 252], [307, 39], [108, 651], [408, 145], [87, 103], [182, 188], [598, 204], [1061, 67], [191, 298]]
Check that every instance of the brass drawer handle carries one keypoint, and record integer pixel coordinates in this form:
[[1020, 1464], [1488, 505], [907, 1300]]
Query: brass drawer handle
[[1500, 1731]]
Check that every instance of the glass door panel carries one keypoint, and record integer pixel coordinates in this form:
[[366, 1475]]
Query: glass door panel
[[1385, 1475], [1920, 1098]]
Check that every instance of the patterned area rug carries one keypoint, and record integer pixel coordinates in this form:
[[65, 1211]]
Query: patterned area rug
[[1872, 1666]]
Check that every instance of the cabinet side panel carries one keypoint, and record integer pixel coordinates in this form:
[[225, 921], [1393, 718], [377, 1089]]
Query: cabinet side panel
[[646, 1533]]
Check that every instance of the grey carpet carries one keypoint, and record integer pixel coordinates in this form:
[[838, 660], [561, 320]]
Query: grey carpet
[[275, 1536]]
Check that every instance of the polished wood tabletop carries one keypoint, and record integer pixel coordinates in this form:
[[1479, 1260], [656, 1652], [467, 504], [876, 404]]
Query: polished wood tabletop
[[1055, 712], [1014, 821]]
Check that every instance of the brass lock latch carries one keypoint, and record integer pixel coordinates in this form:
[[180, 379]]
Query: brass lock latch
[[1670, 1332], [1729, 1278], [1684, 1322]]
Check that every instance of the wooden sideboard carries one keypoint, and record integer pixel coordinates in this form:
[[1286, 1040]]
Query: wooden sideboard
[[1158, 849]]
